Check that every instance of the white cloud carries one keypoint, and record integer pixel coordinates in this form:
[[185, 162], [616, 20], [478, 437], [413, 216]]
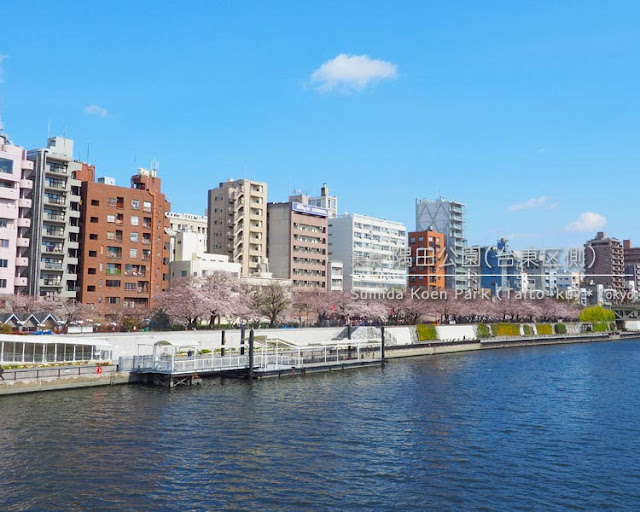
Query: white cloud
[[2, 58], [587, 221], [96, 110], [352, 72], [534, 202]]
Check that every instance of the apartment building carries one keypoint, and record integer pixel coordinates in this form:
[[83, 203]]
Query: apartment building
[[372, 250], [446, 217], [604, 262], [237, 223], [336, 276], [631, 263], [427, 260], [16, 189], [190, 259], [55, 227], [125, 246], [297, 244], [324, 200], [187, 223]]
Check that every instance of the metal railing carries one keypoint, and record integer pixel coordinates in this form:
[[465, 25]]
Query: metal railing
[[55, 372]]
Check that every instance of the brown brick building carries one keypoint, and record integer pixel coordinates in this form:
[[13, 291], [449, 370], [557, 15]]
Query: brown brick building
[[428, 254], [604, 261], [297, 243], [124, 248]]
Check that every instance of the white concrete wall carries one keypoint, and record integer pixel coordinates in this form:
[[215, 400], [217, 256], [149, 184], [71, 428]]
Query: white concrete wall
[[456, 332], [632, 325]]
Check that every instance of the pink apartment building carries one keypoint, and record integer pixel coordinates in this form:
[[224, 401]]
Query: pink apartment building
[[16, 187]]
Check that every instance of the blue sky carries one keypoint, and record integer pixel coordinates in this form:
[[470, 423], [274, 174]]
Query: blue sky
[[528, 112]]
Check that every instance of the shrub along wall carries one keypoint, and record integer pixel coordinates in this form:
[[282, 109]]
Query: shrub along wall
[[527, 330], [427, 332], [484, 331], [561, 329], [504, 329], [544, 329], [601, 327]]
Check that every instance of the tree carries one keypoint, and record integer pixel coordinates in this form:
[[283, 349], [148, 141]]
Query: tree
[[221, 293], [597, 314], [272, 301], [184, 303]]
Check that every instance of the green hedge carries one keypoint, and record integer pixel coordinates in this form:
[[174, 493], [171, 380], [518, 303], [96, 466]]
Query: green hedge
[[427, 332], [484, 331], [544, 329], [561, 329], [504, 329], [528, 331], [601, 327]]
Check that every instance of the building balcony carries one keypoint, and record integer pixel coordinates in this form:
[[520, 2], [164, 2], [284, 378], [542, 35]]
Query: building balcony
[[22, 262], [51, 282], [23, 222], [48, 265], [28, 184], [52, 249], [9, 193], [55, 217], [55, 185], [21, 281], [53, 233], [58, 201], [23, 242]]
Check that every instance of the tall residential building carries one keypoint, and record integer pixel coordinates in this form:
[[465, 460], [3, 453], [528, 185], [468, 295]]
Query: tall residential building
[[16, 188], [631, 263], [125, 247], [237, 224], [604, 262], [297, 243], [427, 251], [324, 200], [372, 250], [446, 217], [187, 223], [55, 228]]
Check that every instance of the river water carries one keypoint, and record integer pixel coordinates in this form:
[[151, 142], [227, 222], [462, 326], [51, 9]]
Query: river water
[[541, 428]]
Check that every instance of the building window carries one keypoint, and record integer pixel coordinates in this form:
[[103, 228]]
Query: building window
[[3, 223], [147, 206], [4, 263], [133, 253], [93, 254], [183, 273], [4, 243], [3, 283], [94, 220], [93, 236], [130, 287], [91, 288], [113, 283], [113, 300], [135, 220], [95, 202], [134, 236], [135, 204], [111, 218], [6, 166]]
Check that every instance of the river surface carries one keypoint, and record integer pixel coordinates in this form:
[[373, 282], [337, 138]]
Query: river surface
[[540, 428]]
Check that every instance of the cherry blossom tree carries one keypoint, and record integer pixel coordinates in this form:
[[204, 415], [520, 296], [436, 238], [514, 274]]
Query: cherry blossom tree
[[184, 302], [222, 294]]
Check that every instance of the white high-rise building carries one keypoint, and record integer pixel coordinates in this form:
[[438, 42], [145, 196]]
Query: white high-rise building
[[187, 223], [372, 251], [446, 217]]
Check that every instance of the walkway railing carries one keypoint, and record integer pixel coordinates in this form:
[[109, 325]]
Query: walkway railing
[[55, 372]]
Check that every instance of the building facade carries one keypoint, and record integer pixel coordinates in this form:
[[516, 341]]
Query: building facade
[[446, 217], [237, 224], [324, 200], [372, 250], [427, 252], [631, 263], [55, 227], [500, 269], [604, 262], [336, 276], [187, 223], [297, 244], [16, 189], [125, 246]]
